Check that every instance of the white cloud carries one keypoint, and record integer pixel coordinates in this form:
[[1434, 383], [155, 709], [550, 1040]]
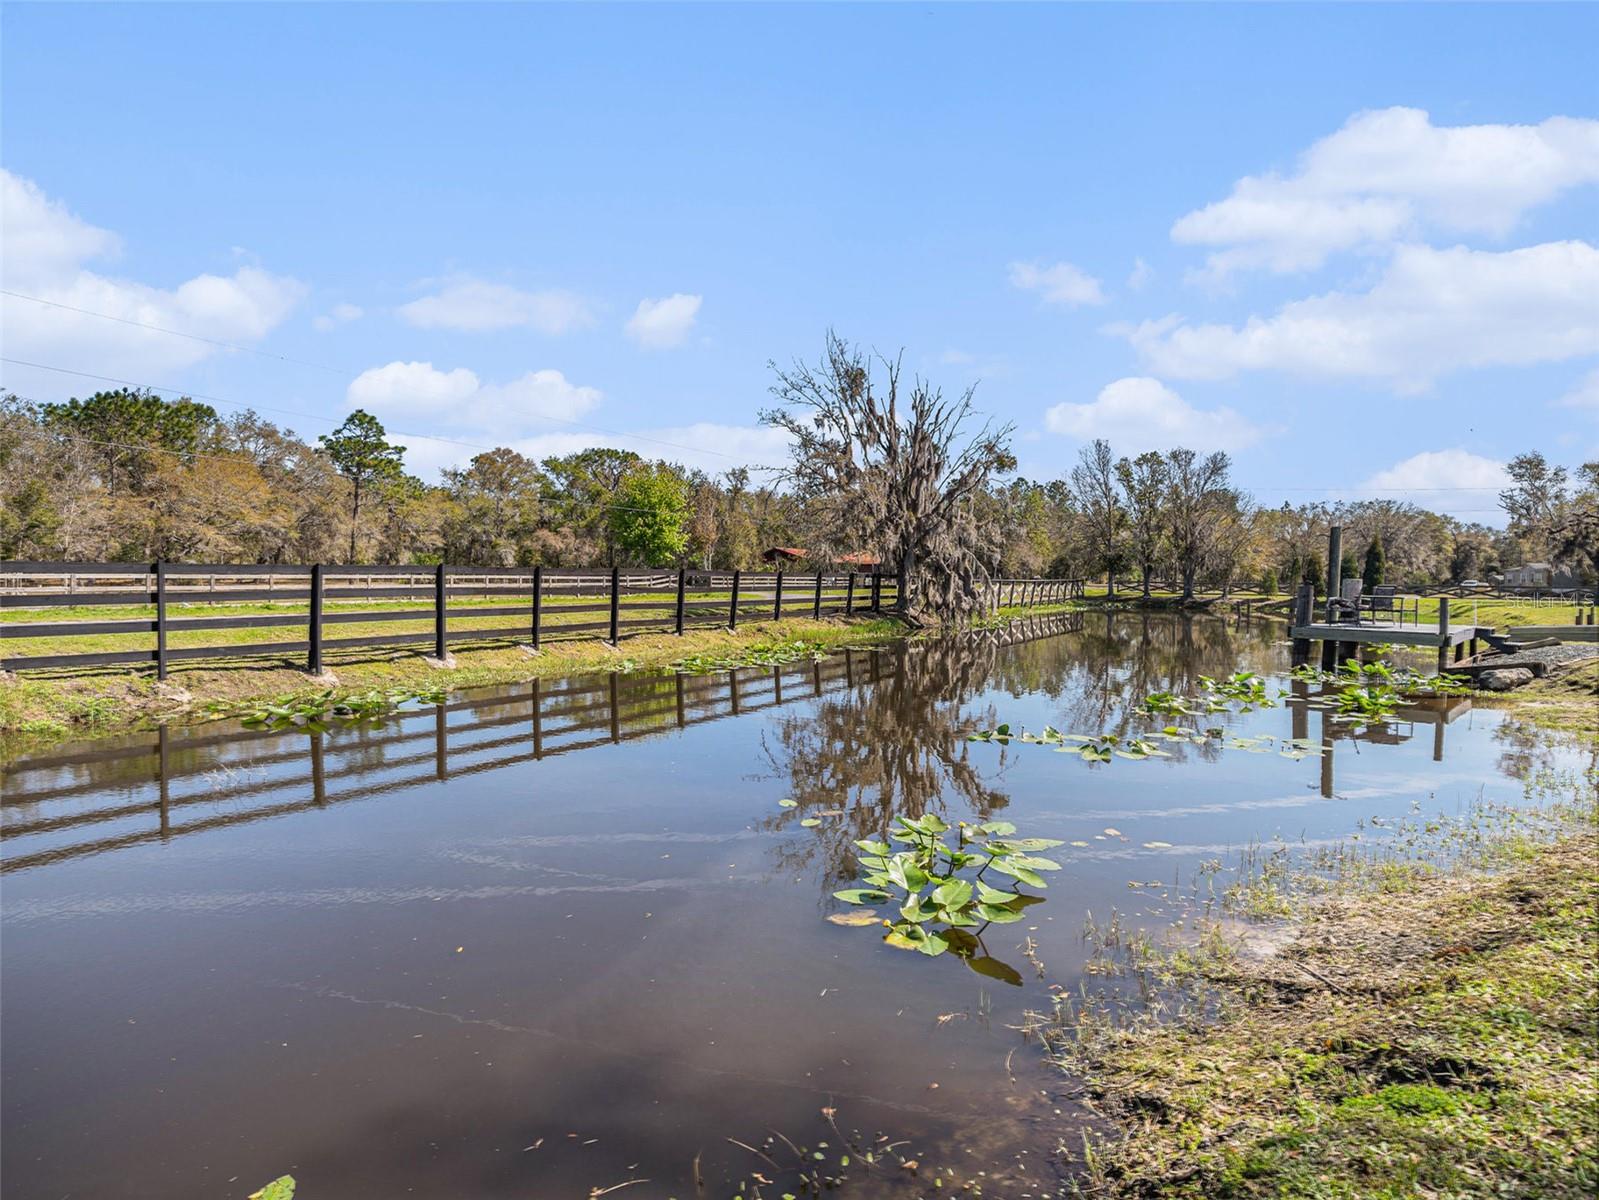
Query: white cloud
[[662, 324], [711, 447], [1388, 175], [339, 314], [1140, 413], [956, 358], [1140, 275], [476, 306], [407, 396], [46, 249], [1448, 481], [1431, 312], [1584, 394], [1061, 283]]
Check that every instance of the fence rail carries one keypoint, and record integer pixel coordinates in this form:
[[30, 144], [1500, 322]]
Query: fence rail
[[445, 606], [548, 604]]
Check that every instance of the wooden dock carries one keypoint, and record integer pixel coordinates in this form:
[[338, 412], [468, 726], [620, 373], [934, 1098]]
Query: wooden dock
[[1339, 639]]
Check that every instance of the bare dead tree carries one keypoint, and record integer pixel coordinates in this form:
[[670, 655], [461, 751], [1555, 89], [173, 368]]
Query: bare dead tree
[[897, 479]]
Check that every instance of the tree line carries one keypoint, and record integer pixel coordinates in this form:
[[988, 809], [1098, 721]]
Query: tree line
[[881, 466]]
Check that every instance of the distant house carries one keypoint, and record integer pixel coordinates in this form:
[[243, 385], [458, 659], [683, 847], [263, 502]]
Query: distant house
[[1537, 575], [782, 554]]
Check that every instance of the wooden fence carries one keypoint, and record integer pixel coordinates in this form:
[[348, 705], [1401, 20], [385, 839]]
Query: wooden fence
[[548, 604]]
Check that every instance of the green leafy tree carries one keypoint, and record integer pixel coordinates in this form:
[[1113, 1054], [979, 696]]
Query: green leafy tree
[[126, 429], [494, 518], [649, 515], [585, 485], [1146, 484], [360, 451], [1372, 575]]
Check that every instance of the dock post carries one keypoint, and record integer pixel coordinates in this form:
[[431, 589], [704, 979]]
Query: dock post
[[1443, 634], [1304, 604], [1335, 566]]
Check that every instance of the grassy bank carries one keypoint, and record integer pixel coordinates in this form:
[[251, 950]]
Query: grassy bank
[[50, 705], [1407, 1031]]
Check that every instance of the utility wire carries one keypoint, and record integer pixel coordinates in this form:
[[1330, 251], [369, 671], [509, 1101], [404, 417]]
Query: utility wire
[[288, 412], [237, 456], [193, 337], [576, 424]]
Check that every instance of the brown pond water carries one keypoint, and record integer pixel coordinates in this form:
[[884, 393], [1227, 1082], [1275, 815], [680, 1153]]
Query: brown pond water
[[549, 939]]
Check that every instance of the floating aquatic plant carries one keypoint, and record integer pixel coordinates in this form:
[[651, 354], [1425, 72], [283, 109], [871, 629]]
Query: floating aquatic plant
[[943, 894], [314, 712]]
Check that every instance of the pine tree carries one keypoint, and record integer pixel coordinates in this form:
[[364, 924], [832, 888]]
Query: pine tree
[[1376, 562]]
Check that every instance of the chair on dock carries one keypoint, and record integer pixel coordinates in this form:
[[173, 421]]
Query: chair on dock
[[1345, 609], [1382, 602]]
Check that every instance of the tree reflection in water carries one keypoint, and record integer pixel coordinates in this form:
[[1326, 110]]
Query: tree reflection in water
[[899, 748]]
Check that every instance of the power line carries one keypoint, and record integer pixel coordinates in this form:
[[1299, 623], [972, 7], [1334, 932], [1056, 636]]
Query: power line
[[234, 404], [193, 337], [236, 456]]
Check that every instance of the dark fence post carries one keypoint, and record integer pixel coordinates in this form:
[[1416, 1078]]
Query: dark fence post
[[161, 620], [777, 597], [877, 591], [849, 596], [682, 588], [313, 662], [616, 603], [538, 604], [1443, 634], [816, 605], [732, 606], [440, 645]]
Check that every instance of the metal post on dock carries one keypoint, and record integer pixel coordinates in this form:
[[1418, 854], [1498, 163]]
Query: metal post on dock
[[1335, 566]]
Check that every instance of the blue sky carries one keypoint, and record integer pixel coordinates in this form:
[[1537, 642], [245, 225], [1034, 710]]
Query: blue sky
[[1206, 225]]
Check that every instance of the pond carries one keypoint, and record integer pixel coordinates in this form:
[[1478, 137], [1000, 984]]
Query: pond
[[563, 937]]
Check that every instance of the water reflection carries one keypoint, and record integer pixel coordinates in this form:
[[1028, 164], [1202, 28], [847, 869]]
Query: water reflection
[[185, 781], [575, 916]]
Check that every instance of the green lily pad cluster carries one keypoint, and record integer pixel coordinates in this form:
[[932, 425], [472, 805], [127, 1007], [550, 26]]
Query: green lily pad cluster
[[1098, 747], [772, 654], [315, 712], [1243, 688], [944, 899]]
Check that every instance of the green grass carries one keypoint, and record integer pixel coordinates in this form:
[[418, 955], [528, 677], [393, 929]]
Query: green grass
[[41, 706], [1431, 1035]]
